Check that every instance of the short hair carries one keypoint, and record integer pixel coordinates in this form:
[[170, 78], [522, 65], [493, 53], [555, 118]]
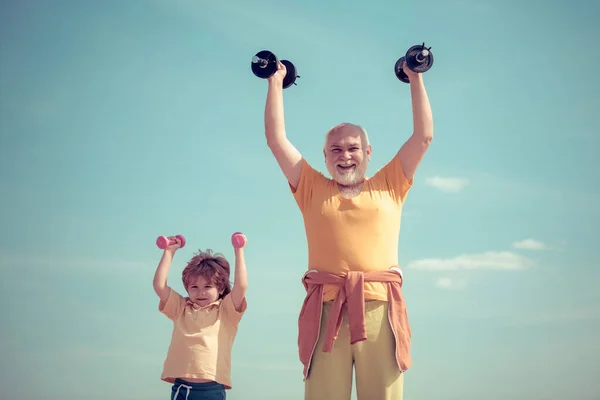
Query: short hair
[[363, 133], [213, 267]]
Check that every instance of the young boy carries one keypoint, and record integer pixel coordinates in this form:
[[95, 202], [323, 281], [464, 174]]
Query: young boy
[[198, 362]]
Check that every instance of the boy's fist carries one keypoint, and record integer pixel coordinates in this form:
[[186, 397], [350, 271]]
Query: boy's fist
[[238, 240], [170, 242]]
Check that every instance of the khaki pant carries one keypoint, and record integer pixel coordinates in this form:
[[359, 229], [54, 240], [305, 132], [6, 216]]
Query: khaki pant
[[377, 374]]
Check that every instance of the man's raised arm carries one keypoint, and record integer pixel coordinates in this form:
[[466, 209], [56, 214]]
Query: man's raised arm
[[287, 156], [412, 151]]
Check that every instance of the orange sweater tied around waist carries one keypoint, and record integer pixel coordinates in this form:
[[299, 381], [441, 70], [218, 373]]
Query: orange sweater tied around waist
[[351, 296]]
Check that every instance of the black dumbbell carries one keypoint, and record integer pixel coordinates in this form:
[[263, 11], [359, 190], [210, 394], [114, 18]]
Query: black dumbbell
[[418, 59], [264, 65]]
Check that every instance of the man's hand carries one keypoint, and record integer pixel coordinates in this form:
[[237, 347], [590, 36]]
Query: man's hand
[[278, 76], [412, 76]]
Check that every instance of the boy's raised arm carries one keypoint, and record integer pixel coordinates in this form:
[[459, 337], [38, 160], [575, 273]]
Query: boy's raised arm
[[240, 280], [162, 271]]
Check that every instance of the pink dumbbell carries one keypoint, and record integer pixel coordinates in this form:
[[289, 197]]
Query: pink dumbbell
[[163, 242], [238, 240]]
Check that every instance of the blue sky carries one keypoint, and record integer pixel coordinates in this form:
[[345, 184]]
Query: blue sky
[[122, 121]]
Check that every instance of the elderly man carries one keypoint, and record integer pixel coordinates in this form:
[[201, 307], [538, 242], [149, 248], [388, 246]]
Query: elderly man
[[354, 314]]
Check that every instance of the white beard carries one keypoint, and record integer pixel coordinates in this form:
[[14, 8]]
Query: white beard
[[352, 177]]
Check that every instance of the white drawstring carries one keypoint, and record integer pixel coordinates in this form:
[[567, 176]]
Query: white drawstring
[[397, 270], [186, 395]]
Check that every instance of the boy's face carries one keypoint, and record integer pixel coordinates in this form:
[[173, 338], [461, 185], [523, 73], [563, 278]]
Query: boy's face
[[203, 292]]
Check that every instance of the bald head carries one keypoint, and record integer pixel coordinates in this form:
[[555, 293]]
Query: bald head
[[347, 129]]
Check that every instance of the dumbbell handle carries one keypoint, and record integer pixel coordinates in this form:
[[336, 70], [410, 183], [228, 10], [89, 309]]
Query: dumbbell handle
[[163, 242], [422, 56], [257, 60]]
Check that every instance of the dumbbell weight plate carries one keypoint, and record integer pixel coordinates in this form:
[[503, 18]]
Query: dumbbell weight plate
[[291, 74], [414, 64], [267, 71], [399, 72], [238, 240]]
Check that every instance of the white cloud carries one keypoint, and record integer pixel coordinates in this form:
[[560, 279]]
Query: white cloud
[[530, 244], [497, 260], [450, 283], [448, 185]]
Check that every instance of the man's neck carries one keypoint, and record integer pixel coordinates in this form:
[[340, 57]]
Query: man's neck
[[350, 191]]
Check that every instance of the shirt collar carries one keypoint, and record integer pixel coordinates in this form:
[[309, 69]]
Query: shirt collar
[[197, 307]]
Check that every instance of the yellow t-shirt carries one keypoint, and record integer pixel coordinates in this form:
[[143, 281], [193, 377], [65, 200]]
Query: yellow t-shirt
[[202, 339], [357, 234]]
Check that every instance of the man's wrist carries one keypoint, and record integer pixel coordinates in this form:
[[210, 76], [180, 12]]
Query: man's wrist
[[416, 79], [275, 85]]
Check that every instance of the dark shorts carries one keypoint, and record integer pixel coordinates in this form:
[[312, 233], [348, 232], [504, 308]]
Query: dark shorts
[[197, 391]]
